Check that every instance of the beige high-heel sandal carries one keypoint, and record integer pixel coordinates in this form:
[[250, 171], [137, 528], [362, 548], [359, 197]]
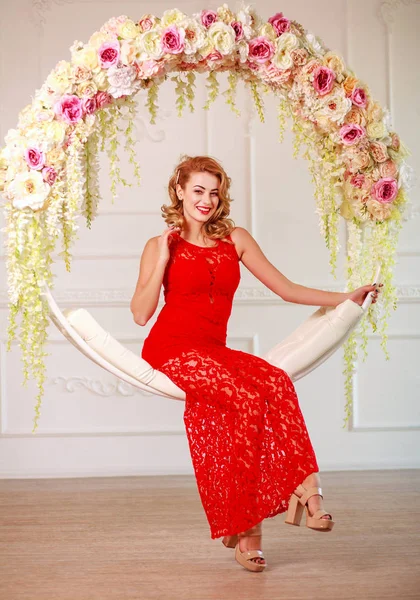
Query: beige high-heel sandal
[[230, 541], [244, 558], [297, 504]]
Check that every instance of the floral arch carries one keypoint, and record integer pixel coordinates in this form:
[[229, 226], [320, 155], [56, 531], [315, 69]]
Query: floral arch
[[49, 168]]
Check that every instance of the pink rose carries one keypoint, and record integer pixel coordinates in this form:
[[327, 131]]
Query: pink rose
[[358, 97], [280, 23], [238, 29], [172, 40], [395, 142], [351, 133], [88, 105], [208, 17], [323, 80], [103, 99], [69, 108], [35, 158], [109, 53], [358, 180], [146, 23], [385, 190], [214, 55], [260, 49], [49, 175]]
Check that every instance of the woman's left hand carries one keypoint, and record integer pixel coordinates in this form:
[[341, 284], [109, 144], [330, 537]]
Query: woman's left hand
[[360, 294]]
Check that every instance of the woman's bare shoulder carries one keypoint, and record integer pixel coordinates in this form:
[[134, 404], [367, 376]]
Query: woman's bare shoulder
[[239, 236]]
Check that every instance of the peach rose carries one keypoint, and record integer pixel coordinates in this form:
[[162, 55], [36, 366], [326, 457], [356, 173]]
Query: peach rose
[[379, 151], [357, 116], [333, 62], [375, 111], [378, 210], [147, 22], [357, 159], [388, 169], [349, 84], [81, 73], [299, 56]]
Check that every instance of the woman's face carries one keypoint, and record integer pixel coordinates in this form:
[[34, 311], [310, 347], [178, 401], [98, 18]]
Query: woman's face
[[201, 192]]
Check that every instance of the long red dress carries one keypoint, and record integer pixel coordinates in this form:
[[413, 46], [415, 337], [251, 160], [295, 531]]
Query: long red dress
[[247, 436]]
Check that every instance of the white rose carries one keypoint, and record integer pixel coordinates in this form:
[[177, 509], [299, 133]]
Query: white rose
[[86, 57], [59, 79], [314, 45], [29, 189], [282, 58], [222, 37], [195, 36], [150, 44], [128, 30], [122, 81], [172, 17], [334, 106]]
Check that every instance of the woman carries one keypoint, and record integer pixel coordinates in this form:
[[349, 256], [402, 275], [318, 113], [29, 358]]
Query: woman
[[250, 448]]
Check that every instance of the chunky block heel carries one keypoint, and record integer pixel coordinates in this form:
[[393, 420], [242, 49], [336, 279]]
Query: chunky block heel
[[230, 541], [298, 503], [294, 511]]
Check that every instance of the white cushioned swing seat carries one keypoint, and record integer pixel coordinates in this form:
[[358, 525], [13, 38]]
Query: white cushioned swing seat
[[315, 340]]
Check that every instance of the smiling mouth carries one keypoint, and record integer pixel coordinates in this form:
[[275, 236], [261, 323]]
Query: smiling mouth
[[204, 211]]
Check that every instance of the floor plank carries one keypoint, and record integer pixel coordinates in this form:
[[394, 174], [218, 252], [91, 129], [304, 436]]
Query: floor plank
[[147, 538]]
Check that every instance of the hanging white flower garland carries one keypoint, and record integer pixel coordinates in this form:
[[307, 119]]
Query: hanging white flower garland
[[49, 166]]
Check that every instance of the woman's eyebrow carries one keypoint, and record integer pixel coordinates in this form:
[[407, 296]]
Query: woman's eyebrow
[[213, 190]]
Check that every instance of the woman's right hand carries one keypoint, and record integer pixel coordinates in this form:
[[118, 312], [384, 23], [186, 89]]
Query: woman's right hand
[[163, 243]]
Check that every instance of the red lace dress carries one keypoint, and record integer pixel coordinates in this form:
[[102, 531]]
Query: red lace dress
[[247, 436]]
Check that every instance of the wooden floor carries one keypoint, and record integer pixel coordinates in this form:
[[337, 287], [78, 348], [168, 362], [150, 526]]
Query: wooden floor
[[148, 538]]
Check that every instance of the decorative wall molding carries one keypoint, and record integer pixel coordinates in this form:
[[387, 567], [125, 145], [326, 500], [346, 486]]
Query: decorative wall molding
[[98, 387], [355, 423], [40, 7], [388, 9], [244, 295]]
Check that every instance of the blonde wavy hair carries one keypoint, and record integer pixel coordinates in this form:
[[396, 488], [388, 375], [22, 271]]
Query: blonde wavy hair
[[219, 225]]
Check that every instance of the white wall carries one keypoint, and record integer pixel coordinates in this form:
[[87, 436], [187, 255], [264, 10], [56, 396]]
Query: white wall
[[93, 425]]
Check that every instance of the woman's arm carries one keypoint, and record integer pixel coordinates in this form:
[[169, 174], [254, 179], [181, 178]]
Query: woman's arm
[[146, 295], [255, 261]]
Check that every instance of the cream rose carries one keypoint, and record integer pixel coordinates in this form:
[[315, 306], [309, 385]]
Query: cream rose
[[97, 39], [268, 31], [335, 106], [87, 57], [282, 58], [172, 17], [128, 30], [195, 36], [150, 44], [29, 190], [59, 80], [376, 129], [222, 37], [87, 88]]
